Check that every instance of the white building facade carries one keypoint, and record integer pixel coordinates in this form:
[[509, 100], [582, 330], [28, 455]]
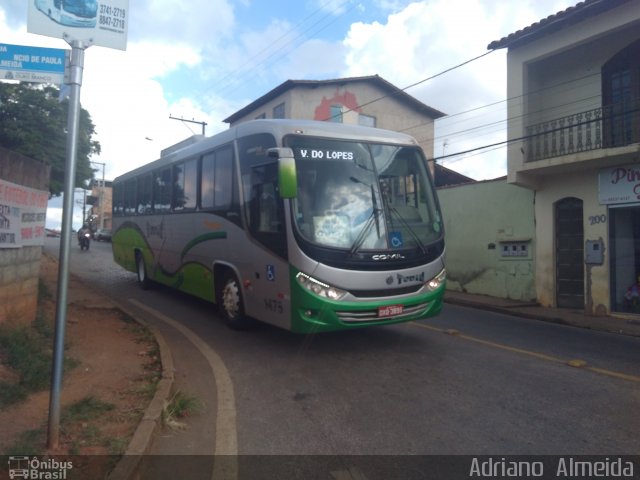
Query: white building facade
[[574, 139]]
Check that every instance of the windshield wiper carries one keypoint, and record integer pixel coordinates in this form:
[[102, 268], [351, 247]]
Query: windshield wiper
[[373, 217], [362, 236]]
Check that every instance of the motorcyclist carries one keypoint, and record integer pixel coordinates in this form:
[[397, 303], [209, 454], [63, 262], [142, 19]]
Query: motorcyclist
[[81, 233]]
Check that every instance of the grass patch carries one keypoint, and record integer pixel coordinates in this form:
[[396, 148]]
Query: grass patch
[[28, 352], [86, 409], [181, 405], [77, 418], [28, 443], [76, 428], [24, 350]]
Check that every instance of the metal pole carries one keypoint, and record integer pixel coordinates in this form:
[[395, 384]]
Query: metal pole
[[102, 199], [73, 119]]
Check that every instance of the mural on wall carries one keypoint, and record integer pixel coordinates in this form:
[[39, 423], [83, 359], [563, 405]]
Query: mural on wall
[[347, 99]]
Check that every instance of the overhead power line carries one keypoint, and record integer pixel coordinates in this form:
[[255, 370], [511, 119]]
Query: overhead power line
[[249, 68], [414, 84]]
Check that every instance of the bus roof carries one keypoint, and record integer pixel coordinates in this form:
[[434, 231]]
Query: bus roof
[[278, 128]]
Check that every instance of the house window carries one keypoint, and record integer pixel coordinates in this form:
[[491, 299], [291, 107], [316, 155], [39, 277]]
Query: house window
[[366, 120], [621, 97], [335, 114], [278, 111], [261, 116]]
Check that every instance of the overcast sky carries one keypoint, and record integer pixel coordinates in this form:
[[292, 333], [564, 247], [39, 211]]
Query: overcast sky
[[206, 59]]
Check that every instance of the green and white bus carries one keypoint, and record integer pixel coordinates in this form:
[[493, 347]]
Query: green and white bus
[[309, 226]]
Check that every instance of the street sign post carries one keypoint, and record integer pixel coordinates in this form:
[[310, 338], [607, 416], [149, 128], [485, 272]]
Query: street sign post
[[31, 64], [81, 23]]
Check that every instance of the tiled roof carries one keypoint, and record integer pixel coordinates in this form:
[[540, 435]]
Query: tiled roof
[[555, 22], [389, 88]]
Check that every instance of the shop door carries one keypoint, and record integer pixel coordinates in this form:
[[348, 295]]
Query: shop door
[[624, 232], [569, 254]]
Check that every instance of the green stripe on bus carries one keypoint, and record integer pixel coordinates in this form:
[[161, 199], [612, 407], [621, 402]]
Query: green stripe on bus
[[200, 239]]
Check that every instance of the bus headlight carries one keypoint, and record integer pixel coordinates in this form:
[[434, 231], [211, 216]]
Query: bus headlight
[[319, 288], [437, 281]]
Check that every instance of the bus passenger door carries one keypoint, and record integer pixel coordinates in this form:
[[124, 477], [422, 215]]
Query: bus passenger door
[[269, 289]]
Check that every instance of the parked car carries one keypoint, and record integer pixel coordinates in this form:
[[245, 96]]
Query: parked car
[[103, 234]]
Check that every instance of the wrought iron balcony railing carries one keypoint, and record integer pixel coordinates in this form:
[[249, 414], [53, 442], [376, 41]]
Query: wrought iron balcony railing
[[605, 127]]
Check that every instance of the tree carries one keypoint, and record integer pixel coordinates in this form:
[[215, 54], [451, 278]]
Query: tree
[[33, 122]]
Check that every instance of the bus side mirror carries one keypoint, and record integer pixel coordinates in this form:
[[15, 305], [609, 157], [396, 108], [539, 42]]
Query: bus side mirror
[[287, 178]]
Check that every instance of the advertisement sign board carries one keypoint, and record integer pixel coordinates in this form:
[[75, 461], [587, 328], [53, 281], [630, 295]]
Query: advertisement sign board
[[31, 64], [23, 212], [100, 22], [619, 185]]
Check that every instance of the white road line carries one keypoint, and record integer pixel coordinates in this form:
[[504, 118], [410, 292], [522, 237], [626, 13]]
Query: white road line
[[226, 433]]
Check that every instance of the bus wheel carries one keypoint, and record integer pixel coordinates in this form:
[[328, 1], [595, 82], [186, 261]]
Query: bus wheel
[[231, 305], [141, 270]]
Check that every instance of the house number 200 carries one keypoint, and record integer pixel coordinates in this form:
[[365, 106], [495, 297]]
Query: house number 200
[[593, 219]]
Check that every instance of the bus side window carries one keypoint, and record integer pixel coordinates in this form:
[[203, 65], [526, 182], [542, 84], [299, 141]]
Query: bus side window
[[118, 199], [217, 179], [224, 178], [162, 191], [145, 183], [265, 212], [130, 197], [185, 177], [263, 207]]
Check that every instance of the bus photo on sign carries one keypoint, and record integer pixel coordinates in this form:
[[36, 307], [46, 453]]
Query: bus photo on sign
[[309, 226], [71, 13]]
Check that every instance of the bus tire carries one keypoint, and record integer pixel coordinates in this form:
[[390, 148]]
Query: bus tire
[[231, 303], [141, 270]]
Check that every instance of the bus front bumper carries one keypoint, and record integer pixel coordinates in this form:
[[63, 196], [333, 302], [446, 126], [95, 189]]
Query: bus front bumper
[[313, 313]]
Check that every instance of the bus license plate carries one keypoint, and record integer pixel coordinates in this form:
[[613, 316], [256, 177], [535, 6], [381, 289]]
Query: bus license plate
[[389, 310]]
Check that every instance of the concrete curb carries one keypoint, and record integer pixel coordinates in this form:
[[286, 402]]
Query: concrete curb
[[622, 326], [129, 465]]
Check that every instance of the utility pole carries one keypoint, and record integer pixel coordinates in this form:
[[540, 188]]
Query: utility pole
[[101, 224], [204, 124]]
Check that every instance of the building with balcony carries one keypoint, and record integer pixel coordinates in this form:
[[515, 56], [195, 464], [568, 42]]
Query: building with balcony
[[573, 88]]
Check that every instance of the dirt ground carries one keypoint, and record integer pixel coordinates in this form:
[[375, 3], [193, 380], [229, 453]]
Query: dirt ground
[[116, 365]]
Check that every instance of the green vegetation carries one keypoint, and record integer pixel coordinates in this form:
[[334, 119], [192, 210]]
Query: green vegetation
[[26, 350], [180, 405], [75, 424], [33, 122], [84, 410]]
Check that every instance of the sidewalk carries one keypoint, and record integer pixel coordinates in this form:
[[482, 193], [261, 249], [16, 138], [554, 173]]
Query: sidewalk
[[627, 325]]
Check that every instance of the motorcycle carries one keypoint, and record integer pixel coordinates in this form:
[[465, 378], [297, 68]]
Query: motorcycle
[[85, 240]]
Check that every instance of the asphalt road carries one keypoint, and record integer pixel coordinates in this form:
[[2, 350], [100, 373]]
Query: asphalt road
[[501, 386]]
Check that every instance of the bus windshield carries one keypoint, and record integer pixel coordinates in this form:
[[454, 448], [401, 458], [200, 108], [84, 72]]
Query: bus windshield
[[361, 196]]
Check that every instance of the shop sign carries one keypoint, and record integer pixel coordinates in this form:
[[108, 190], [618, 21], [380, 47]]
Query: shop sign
[[619, 185]]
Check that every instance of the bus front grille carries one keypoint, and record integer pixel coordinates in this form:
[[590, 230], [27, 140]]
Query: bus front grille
[[361, 316]]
